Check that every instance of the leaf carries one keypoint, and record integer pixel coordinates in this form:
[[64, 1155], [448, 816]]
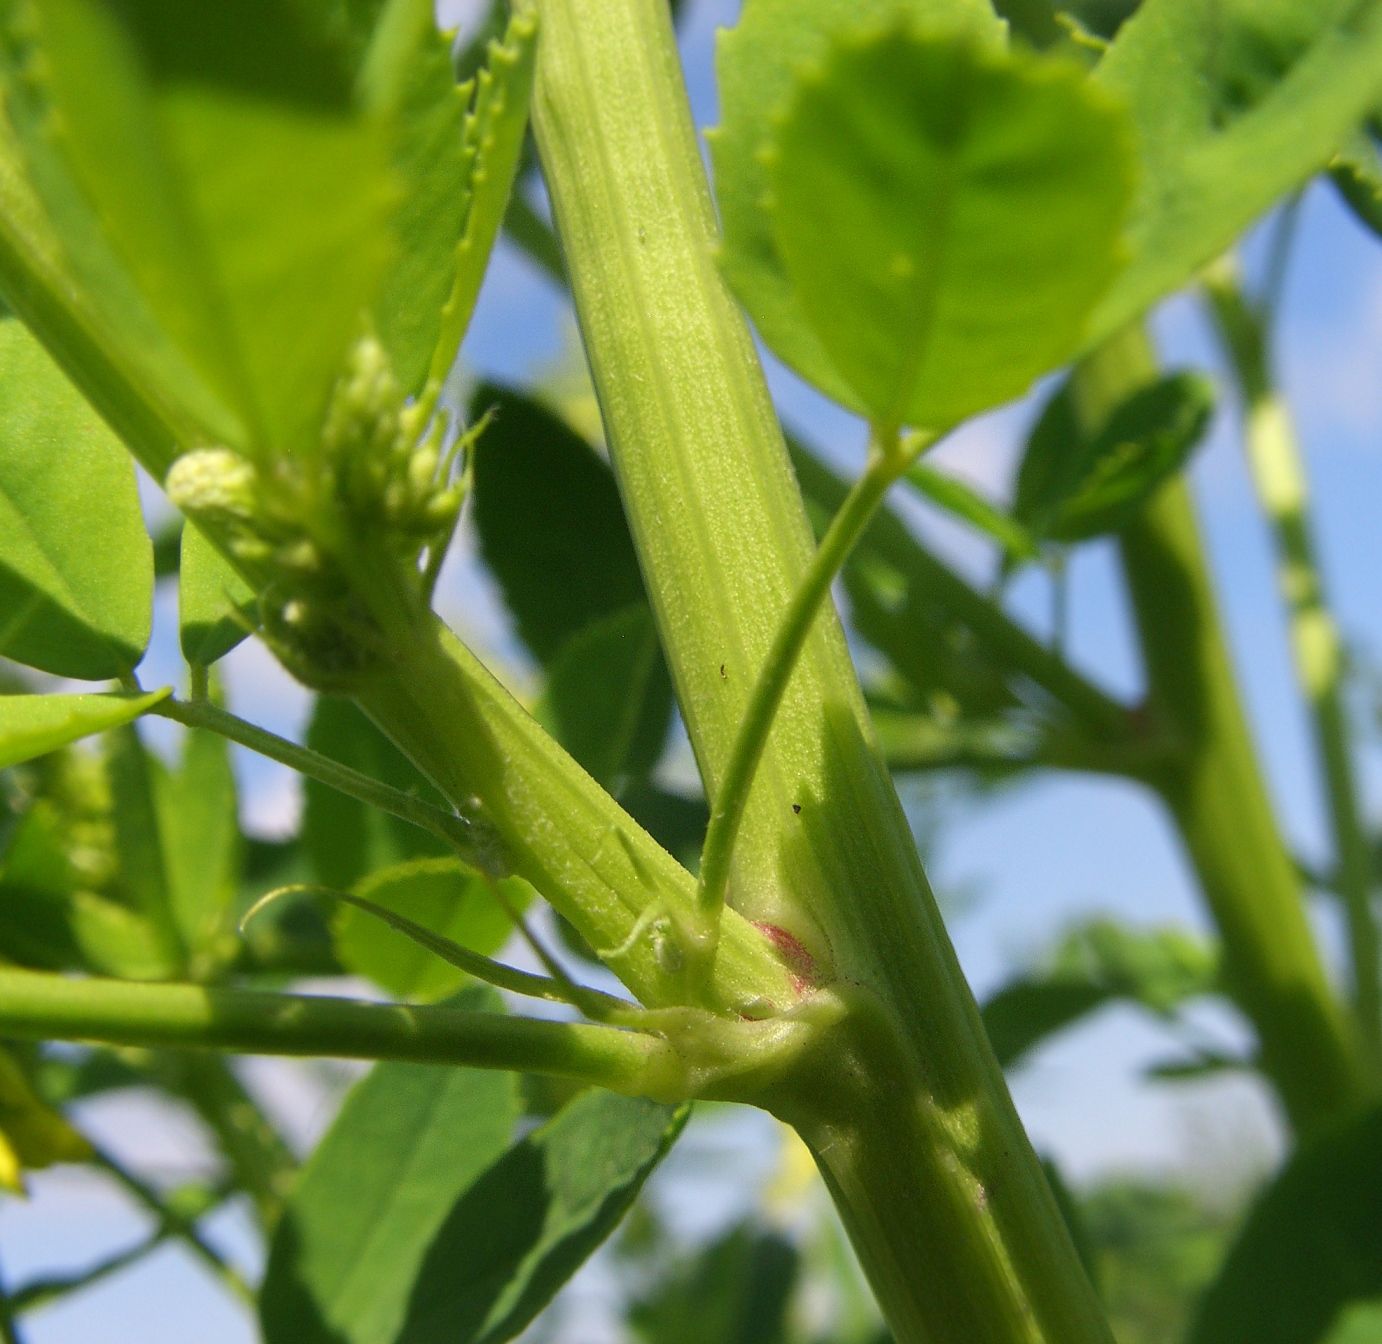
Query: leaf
[[76, 564], [216, 607], [407, 1144], [550, 523], [1361, 1324], [924, 195], [238, 178], [675, 821], [965, 503], [1095, 964], [137, 788], [608, 697], [1312, 1245], [1357, 173], [527, 1224], [31, 725], [405, 71], [1072, 485], [443, 896], [346, 839], [736, 1291], [494, 132], [199, 836], [32, 1134], [757, 65], [60, 272], [1024, 1013], [1234, 107], [61, 906]]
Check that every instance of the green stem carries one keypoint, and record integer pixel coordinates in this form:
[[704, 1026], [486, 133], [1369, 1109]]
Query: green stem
[[563, 833], [467, 839], [731, 798], [889, 539], [1279, 475], [173, 1224], [262, 1164], [934, 1176], [1214, 788], [38, 1006]]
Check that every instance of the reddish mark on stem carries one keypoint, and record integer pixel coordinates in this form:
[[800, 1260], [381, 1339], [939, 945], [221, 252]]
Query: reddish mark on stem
[[799, 961]]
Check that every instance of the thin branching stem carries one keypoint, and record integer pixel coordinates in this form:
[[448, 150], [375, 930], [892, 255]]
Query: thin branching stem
[[1278, 472], [39, 1006], [888, 460], [459, 834]]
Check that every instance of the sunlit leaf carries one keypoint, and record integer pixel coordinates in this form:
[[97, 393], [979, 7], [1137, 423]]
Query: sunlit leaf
[[1234, 109], [377, 1193], [31, 725], [241, 182], [216, 607], [758, 63], [439, 894], [494, 131], [76, 565], [926, 195]]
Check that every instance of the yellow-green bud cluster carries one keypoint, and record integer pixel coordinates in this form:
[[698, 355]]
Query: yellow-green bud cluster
[[374, 493], [382, 475]]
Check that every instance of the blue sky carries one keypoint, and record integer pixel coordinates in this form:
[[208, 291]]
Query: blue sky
[[1034, 858]]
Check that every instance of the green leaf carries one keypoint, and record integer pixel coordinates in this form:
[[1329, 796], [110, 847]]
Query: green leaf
[[443, 896], [32, 1133], [924, 193], [137, 787], [1095, 964], [216, 607], [1234, 107], [550, 523], [608, 697], [234, 171], [1024, 1013], [757, 64], [60, 272], [965, 503], [494, 132], [1073, 485], [1311, 1245], [1361, 1324], [51, 916], [346, 839], [406, 72], [76, 564], [531, 1220], [1357, 173], [407, 1144], [736, 1291], [199, 835], [32, 725]]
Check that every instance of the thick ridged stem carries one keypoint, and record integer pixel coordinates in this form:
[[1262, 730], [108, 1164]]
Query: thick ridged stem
[[1215, 789], [933, 1174]]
